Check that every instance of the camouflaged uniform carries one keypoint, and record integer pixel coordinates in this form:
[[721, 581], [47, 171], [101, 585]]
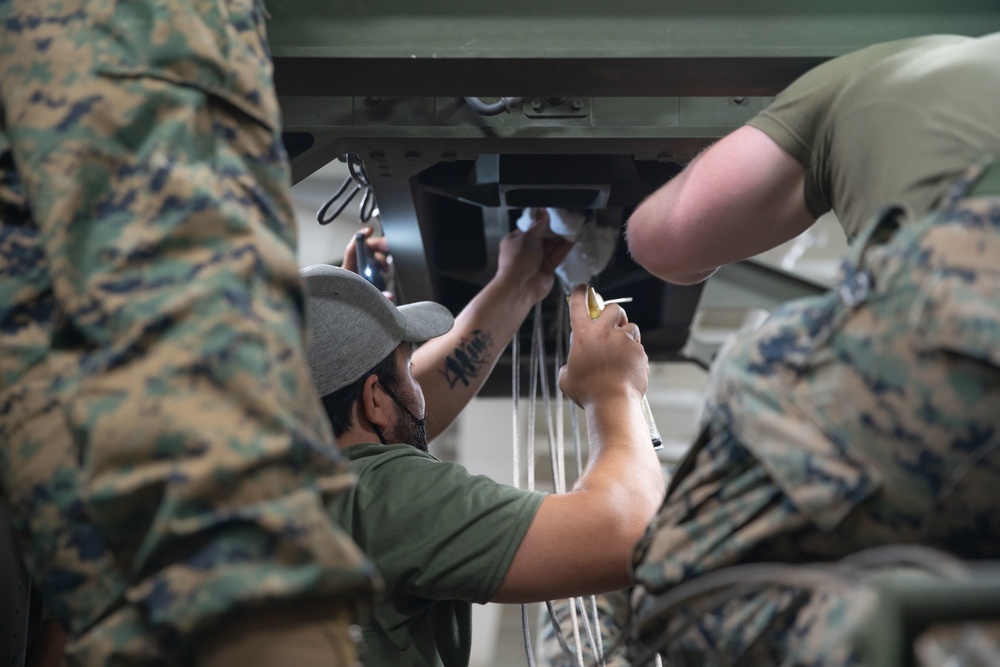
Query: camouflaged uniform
[[163, 448], [866, 416]]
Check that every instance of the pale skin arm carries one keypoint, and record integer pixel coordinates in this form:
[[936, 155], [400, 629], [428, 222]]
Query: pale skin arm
[[452, 368], [581, 542], [740, 197]]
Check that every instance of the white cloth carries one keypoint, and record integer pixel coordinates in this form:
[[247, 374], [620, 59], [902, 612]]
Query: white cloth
[[592, 249]]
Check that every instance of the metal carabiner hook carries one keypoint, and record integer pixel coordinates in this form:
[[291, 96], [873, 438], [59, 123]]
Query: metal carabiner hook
[[321, 213], [340, 209], [367, 208]]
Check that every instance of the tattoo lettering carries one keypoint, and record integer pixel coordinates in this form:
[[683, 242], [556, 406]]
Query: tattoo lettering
[[468, 359]]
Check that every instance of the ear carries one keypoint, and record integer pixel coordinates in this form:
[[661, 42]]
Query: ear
[[375, 403]]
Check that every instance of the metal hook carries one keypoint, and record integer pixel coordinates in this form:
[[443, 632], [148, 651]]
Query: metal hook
[[321, 213], [367, 208], [340, 209]]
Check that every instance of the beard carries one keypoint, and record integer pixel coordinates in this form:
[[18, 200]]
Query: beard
[[409, 431]]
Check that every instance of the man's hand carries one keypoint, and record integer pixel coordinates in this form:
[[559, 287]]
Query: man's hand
[[606, 359], [377, 247], [529, 259]]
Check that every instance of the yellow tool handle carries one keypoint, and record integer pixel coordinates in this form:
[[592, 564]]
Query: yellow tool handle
[[594, 302]]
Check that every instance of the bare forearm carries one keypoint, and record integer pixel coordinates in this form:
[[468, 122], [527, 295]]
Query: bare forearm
[[581, 542], [622, 464], [451, 369]]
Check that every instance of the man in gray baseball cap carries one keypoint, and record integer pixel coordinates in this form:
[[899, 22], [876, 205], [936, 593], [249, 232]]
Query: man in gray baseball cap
[[440, 537], [353, 331]]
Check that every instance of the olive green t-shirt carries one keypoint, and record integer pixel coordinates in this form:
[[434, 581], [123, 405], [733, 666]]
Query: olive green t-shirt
[[441, 538], [894, 123]]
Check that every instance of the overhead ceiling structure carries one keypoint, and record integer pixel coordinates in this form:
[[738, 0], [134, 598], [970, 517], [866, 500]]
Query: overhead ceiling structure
[[615, 97]]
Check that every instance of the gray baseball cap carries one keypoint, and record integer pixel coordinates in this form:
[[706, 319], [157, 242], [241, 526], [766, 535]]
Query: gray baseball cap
[[353, 326]]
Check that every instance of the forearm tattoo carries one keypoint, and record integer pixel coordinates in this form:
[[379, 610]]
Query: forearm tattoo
[[468, 359]]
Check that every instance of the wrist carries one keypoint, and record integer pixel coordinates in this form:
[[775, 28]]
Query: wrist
[[614, 398], [618, 417], [511, 289]]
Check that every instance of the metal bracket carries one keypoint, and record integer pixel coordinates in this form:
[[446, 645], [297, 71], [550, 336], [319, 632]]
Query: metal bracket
[[557, 107]]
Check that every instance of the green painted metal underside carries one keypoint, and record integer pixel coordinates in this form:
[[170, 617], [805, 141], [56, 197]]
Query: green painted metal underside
[[626, 28]]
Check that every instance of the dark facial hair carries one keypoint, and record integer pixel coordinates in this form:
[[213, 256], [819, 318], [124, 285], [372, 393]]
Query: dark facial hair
[[411, 431]]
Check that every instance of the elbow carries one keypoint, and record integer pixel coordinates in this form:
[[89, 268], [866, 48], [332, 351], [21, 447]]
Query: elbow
[[635, 508], [649, 243], [641, 234], [620, 543], [693, 277]]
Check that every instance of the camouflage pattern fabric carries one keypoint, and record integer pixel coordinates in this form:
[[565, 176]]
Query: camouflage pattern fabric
[[786, 621], [163, 448], [867, 416]]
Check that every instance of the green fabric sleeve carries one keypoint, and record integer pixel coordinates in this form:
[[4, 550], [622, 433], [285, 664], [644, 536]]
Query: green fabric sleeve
[[436, 531], [801, 118], [795, 121], [783, 134]]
